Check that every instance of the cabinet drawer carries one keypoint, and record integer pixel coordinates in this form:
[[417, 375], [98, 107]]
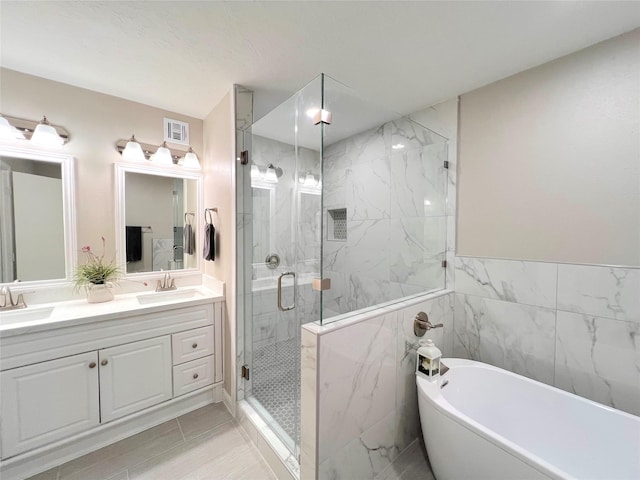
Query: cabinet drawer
[[192, 344], [192, 375]]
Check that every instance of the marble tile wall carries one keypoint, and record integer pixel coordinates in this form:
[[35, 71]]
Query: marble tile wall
[[576, 327], [360, 373], [393, 184]]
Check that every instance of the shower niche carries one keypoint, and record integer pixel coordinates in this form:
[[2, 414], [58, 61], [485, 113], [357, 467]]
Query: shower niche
[[337, 225], [357, 200]]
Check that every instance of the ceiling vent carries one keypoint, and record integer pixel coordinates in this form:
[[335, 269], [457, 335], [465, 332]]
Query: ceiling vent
[[176, 131]]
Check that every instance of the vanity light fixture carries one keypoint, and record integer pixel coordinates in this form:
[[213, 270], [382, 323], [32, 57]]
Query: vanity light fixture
[[397, 146], [46, 135], [271, 175], [12, 128], [7, 132], [162, 155], [309, 179], [133, 151], [268, 174], [191, 160]]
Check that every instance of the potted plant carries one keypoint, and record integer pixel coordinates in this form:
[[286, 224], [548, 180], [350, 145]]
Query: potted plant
[[97, 276]]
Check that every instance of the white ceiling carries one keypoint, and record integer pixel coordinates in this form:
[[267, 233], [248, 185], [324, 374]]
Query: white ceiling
[[184, 56]]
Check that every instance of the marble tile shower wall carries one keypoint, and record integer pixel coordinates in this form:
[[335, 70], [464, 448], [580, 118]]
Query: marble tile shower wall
[[396, 203], [367, 405], [576, 327]]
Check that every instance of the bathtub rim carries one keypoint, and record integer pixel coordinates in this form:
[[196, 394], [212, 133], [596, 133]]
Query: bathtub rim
[[432, 393]]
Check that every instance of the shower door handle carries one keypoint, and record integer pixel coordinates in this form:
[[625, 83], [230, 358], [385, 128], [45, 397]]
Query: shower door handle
[[290, 307]]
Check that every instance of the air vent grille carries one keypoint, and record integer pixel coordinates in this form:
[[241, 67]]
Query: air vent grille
[[176, 131]]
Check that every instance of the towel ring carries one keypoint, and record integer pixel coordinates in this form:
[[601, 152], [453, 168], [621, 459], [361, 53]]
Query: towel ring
[[209, 210], [186, 214]]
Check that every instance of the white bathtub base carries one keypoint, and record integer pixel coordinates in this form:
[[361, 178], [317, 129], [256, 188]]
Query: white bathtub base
[[488, 423], [456, 452]]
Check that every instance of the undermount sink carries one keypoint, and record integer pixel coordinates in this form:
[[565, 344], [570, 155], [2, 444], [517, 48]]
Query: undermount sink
[[28, 314], [167, 296]]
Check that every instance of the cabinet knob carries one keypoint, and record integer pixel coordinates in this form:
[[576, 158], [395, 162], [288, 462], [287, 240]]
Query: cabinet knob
[[92, 365], [104, 362], [195, 345], [195, 375]]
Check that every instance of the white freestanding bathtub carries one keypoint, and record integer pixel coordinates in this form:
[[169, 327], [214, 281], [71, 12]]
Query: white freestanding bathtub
[[482, 422]]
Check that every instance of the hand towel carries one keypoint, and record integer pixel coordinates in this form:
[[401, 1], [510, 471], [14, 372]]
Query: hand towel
[[209, 250], [189, 240], [134, 244]]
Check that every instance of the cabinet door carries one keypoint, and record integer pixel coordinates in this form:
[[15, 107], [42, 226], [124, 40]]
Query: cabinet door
[[134, 376], [48, 401]]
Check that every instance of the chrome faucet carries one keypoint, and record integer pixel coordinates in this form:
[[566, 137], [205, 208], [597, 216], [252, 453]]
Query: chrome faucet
[[7, 303], [167, 283]]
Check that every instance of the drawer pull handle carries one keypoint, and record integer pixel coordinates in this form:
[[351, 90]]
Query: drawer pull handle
[[195, 345], [104, 362], [195, 375], [92, 365]]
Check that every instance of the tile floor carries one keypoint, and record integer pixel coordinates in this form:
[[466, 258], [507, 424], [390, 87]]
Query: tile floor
[[276, 383], [205, 444], [412, 464]]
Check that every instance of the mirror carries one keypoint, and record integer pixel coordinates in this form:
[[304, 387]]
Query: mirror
[[264, 198], [37, 217], [154, 207]]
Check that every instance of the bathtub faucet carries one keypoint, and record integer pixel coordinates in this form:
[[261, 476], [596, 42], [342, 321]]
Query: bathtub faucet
[[421, 324]]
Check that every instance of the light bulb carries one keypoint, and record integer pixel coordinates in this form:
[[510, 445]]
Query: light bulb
[[46, 135], [191, 160], [133, 151], [163, 155]]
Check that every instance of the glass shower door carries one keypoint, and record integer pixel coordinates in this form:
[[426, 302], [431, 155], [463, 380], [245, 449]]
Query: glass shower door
[[282, 241]]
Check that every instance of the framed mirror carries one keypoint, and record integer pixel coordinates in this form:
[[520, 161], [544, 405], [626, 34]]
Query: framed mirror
[[154, 207], [37, 216]]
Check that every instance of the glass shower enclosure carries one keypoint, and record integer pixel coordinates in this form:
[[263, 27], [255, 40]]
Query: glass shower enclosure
[[341, 209]]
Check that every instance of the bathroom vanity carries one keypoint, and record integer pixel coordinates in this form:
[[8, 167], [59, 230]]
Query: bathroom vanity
[[88, 375]]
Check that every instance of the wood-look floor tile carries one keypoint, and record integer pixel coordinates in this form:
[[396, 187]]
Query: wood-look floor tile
[[204, 419], [51, 474], [118, 457], [120, 476], [222, 453]]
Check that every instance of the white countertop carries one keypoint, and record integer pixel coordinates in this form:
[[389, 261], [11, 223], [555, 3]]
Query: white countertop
[[78, 312]]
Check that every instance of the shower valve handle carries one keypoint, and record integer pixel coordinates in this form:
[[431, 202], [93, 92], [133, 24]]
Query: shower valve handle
[[421, 324]]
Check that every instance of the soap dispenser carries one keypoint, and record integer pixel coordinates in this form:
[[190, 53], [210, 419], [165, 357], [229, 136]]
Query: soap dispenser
[[428, 359]]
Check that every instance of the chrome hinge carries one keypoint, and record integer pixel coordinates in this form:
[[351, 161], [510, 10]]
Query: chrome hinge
[[446, 164], [245, 372], [244, 157], [444, 264]]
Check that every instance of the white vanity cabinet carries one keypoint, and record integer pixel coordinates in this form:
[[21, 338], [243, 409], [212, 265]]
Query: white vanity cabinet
[[48, 401], [65, 391]]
